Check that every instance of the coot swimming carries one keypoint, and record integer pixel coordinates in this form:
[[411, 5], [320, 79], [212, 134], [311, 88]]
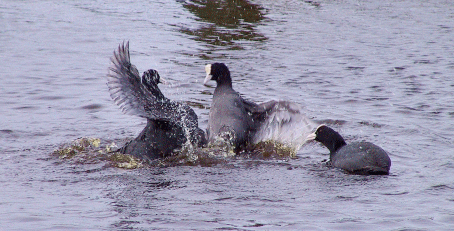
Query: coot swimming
[[362, 158]]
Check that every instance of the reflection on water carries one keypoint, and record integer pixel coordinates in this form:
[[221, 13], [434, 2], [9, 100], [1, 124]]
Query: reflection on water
[[224, 23]]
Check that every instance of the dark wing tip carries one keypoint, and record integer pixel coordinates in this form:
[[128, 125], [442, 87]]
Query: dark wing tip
[[138, 95], [124, 83]]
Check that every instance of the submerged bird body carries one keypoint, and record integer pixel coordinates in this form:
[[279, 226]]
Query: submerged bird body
[[363, 158], [170, 124], [161, 139]]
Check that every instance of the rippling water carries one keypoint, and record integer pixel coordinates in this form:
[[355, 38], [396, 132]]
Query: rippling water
[[381, 70]]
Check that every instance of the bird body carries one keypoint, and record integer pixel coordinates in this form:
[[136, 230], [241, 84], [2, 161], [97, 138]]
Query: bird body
[[363, 158], [170, 124], [245, 122], [229, 118]]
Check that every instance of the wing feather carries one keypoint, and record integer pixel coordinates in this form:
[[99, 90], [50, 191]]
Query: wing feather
[[282, 121], [127, 90], [125, 85]]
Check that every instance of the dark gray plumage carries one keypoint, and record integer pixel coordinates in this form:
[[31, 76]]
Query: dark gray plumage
[[170, 124], [228, 118], [243, 122], [362, 158]]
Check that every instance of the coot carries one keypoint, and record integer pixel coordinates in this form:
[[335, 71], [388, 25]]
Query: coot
[[243, 122], [363, 158], [170, 124]]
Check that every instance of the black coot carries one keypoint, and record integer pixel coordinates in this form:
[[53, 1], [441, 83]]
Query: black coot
[[243, 122], [170, 125], [362, 158], [229, 118]]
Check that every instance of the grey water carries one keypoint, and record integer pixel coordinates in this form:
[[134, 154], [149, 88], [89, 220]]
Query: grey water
[[381, 71]]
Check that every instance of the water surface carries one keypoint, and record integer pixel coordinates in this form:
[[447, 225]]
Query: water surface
[[382, 69]]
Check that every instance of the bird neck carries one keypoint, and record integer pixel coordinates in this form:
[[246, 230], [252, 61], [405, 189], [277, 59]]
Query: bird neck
[[224, 79], [335, 143]]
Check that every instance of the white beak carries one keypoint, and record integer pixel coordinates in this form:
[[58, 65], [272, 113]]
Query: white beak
[[209, 76], [311, 136]]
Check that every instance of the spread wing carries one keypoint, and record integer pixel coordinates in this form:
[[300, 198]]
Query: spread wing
[[135, 96], [125, 85], [282, 121]]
